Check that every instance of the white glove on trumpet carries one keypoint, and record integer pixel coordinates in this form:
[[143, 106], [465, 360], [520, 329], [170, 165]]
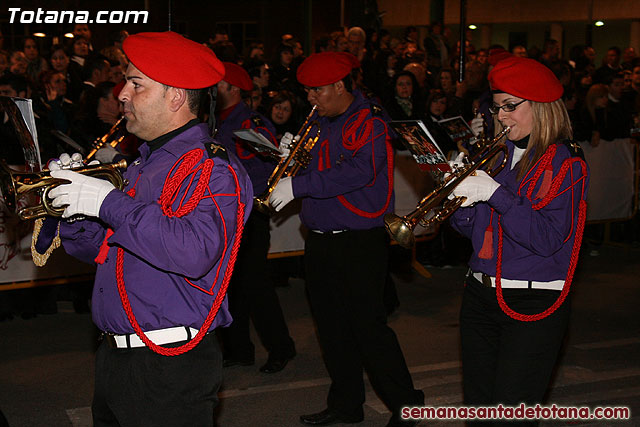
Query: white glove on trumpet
[[476, 188], [84, 195], [282, 194], [106, 154], [457, 162], [285, 144]]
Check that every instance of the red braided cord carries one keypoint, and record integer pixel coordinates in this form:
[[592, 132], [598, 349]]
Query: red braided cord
[[173, 183], [181, 174], [361, 212], [544, 161], [582, 215]]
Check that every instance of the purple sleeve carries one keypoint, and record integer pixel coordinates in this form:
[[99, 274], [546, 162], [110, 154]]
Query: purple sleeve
[[352, 173], [542, 231], [82, 239], [189, 245], [462, 221]]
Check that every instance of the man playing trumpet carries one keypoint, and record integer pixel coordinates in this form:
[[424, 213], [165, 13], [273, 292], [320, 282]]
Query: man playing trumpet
[[164, 247], [345, 192]]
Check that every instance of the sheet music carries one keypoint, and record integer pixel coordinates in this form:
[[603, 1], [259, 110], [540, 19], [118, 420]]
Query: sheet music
[[257, 141], [421, 144]]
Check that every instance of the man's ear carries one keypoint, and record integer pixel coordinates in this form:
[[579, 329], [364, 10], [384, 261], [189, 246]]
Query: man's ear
[[339, 85], [177, 98]]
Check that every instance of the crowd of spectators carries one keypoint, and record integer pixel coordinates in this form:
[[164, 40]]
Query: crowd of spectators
[[73, 86]]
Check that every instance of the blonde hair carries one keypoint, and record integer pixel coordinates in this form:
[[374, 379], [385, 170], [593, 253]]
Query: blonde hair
[[550, 124]]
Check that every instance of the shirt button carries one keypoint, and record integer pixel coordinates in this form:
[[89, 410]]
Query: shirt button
[[101, 290]]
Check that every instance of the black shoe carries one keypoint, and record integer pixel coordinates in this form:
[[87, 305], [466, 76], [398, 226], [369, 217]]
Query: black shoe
[[276, 363], [227, 363], [328, 417]]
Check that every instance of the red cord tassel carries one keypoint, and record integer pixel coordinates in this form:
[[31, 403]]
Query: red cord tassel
[[486, 252], [546, 182], [104, 248]]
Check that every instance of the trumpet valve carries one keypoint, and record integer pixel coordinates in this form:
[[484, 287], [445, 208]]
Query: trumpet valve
[[303, 158]]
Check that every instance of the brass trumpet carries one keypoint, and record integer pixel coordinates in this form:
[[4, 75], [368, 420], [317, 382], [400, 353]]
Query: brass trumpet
[[15, 185], [114, 137], [299, 157], [436, 206]]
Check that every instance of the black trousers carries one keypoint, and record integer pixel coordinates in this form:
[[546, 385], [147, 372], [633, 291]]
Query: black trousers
[[345, 274], [139, 388], [252, 296], [505, 360]]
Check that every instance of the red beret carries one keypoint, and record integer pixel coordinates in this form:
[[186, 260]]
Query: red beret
[[173, 60], [352, 59], [525, 78], [237, 76], [497, 54], [325, 68]]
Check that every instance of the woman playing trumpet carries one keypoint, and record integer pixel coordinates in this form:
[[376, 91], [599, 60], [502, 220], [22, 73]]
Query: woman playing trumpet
[[526, 227]]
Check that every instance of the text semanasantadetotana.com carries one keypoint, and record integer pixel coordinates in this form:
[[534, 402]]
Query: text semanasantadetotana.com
[[521, 412]]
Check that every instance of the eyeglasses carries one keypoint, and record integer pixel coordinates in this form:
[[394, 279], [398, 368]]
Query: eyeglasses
[[507, 108]]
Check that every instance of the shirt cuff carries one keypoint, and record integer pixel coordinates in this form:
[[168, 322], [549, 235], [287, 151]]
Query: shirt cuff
[[300, 186], [502, 200], [115, 208]]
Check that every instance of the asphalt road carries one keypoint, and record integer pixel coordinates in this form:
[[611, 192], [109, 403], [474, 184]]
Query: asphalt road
[[46, 363]]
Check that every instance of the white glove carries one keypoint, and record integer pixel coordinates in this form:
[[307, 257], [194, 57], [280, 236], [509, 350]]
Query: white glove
[[282, 194], [106, 154], [477, 125], [285, 144], [476, 188], [454, 164], [84, 195], [458, 162], [66, 162]]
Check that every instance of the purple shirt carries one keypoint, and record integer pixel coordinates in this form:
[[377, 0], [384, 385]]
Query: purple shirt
[[257, 165], [347, 184], [537, 244], [161, 252]]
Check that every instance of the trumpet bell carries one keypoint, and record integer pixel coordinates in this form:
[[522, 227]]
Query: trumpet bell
[[16, 185], [400, 229]]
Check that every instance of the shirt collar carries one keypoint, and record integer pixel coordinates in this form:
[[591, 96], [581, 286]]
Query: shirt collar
[[161, 140]]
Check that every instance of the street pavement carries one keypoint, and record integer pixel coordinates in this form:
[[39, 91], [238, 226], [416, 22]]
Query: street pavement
[[46, 363]]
